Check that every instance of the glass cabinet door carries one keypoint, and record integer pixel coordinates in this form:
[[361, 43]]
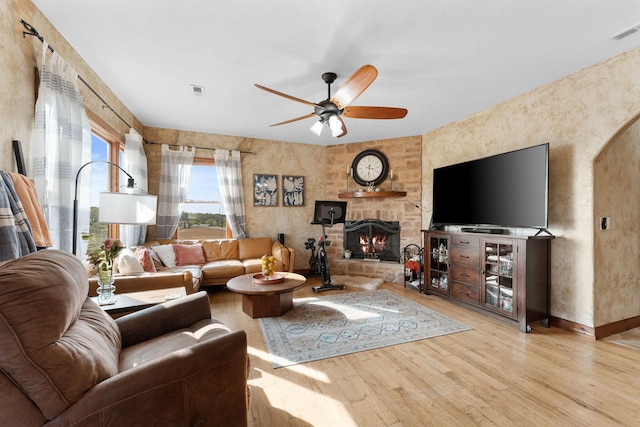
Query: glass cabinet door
[[498, 276], [438, 259]]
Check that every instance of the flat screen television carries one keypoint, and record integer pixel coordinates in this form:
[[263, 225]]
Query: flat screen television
[[504, 190]]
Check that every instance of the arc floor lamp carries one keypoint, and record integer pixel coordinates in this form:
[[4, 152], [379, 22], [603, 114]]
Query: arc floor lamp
[[118, 208]]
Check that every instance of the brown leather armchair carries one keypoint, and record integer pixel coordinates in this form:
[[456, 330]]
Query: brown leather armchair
[[63, 361]]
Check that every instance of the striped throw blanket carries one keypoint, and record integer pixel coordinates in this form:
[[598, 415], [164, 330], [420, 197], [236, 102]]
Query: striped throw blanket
[[16, 239]]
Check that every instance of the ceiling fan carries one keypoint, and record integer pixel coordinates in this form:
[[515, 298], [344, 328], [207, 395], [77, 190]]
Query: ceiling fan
[[333, 109]]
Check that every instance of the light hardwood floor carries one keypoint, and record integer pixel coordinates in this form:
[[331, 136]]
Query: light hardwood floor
[[493, 375], [630, 338]]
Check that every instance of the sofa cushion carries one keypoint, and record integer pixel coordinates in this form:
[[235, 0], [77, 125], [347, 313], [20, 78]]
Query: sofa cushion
[[189, 254], [165, 344], [157, 262], [255, 266], [254, 247], [215, 250], [54, 355], [167, 254], [196, 270], [223, 268]]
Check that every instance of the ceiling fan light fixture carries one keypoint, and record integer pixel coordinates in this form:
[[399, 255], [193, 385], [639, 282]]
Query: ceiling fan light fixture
[[335, 108], [336, 126], [317, 127]]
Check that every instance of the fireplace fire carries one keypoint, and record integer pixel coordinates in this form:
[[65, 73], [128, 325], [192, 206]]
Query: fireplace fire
[[373, 239], [375, 245]]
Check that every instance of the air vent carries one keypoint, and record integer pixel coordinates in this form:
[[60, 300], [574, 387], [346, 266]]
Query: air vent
[[626, 32], [198, 91]]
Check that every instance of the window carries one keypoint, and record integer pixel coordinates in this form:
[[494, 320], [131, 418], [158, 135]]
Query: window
[[105, 147], [203, 215], [99, 182]]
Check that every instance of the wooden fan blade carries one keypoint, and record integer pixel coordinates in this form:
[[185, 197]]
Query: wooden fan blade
[[294, 120], [354, 86], [374, 112], [293, 98], [344, 128]]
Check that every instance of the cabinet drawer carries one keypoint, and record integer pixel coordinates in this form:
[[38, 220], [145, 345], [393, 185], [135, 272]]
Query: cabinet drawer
[[464, 255], [466, 293], [465, 274], [466, 241]]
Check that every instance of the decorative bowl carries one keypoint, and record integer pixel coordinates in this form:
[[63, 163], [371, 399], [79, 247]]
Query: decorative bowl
[[261, 279]]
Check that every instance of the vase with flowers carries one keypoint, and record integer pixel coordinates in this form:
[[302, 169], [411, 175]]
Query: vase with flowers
[[102, 258]]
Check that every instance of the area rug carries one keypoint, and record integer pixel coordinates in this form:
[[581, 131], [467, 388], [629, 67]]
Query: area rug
[[359, 282], [348, 322]]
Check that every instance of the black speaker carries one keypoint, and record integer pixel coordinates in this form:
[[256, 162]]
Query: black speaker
[[281, 238]]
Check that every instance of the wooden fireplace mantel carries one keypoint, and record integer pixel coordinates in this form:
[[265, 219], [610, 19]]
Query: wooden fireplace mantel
[[364, 194]]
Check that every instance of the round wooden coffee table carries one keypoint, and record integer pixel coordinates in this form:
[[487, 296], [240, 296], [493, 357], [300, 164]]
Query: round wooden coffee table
[[270, 300]]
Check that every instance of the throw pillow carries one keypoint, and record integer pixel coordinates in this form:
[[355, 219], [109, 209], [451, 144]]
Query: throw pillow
[[127, 262], [189, 254], [157, 262], [144, 256], [167, 255]]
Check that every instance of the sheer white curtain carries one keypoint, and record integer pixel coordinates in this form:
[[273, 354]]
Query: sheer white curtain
[[134, 161], [230, 184], [61, 145], [175, 171]]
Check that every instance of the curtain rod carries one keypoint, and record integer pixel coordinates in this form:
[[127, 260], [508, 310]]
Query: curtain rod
[[31, 31], [199, 148]]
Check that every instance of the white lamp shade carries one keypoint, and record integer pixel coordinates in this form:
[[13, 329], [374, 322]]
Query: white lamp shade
[[124, 208], [335, 125], [317, 127]]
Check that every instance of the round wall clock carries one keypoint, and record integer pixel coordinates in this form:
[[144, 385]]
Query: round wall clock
[[370, 167]]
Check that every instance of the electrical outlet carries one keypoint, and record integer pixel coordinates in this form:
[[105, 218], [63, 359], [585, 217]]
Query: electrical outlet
[[605, 223]]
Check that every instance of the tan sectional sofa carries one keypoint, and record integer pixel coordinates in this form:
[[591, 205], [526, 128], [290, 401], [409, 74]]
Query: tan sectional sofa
[[220, 261]]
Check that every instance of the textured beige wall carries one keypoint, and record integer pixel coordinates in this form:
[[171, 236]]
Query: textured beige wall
[[617, 250], [285, 158], [17, 82], [17, 85], [577, 116]]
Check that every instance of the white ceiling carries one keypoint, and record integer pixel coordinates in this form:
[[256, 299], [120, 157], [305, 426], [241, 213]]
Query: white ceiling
[[441, 59]]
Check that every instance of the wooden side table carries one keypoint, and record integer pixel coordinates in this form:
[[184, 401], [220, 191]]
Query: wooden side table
[[270, 300], [134, 301]]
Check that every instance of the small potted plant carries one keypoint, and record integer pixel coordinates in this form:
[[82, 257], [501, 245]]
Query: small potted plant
[[347, 253]]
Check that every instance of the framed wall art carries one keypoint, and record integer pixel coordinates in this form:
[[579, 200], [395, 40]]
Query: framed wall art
[[265, 190], [292, 190]]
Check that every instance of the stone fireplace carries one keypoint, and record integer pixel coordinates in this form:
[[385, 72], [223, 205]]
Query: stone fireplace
[[373, 239]]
